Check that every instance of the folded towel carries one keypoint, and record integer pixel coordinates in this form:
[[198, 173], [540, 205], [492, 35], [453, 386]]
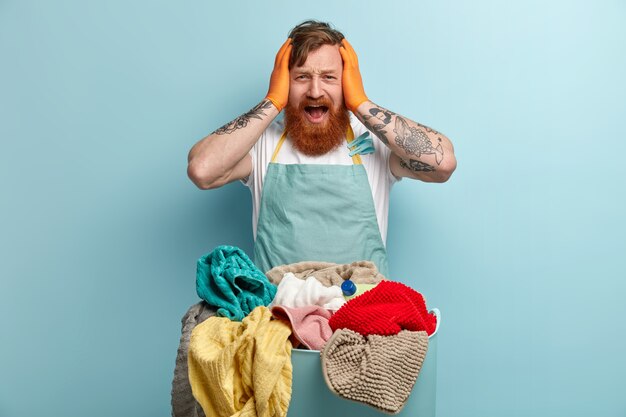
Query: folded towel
[[309, 325], [227, 279], [385, 310], [241, 368], [183, 403], [379, 371], [296, 292], [361, 272]]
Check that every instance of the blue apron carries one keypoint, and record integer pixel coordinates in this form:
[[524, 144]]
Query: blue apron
[[312, 212]]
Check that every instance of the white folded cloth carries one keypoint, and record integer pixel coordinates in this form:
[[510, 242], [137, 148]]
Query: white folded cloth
[[295, 292]]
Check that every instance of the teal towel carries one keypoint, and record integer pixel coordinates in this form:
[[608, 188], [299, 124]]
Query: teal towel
[[229, 281]]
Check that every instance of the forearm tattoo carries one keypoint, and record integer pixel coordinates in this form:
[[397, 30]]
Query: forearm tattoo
[[242, 121], [416, 166], [414, 141], [377, 121], [428, 129]]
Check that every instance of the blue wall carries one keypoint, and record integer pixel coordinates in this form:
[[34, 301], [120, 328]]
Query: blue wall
[[523, 249]]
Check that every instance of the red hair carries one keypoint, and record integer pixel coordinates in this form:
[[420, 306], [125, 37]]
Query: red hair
[[309, 36]]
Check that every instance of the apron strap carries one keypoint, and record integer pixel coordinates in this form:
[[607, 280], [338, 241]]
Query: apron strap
[[356, 159]]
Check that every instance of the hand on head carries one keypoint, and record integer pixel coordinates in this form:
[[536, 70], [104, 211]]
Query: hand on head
[[353, 91], [352, 83], [278, 92]]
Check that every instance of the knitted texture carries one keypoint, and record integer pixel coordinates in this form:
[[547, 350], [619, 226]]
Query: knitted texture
[[379, 371], [309, 325], [295, 292], [183, 403], [385, 310], [361, 272], [241, 368], [227, 279]]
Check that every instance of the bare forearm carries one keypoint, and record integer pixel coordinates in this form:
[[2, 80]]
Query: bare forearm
[[214, 157], [422, 150]]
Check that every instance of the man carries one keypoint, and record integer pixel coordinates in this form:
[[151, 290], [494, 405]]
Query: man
[[312, 200]]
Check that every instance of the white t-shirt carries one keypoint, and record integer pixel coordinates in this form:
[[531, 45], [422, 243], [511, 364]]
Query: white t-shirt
[[376, 165]]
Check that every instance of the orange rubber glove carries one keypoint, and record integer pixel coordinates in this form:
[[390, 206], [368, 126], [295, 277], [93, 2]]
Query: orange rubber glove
[[278, 93], [353, 92]]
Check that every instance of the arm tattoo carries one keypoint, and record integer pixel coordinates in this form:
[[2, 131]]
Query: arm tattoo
[[242, 121], [428, 129], [383, 118], [416, 166], [414, 141]]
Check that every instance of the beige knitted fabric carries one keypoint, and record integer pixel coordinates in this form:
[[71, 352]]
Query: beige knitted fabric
[[379, 371], [361, 272]]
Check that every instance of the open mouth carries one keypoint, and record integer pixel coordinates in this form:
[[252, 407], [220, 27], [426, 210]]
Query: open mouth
[[316, 113]]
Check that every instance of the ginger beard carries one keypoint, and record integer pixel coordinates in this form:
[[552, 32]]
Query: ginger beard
[[316, 139]]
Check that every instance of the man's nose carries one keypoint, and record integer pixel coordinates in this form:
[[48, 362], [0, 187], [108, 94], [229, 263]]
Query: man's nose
[[315, 89]]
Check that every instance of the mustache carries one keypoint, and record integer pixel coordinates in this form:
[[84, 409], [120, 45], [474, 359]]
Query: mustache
[[316, 102]]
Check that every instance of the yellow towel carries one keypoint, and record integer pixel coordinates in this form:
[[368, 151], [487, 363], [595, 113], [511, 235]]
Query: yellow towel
[[241, 369]]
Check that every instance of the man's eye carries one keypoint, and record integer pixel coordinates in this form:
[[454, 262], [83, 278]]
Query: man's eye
[[330, 77], [300, 77]]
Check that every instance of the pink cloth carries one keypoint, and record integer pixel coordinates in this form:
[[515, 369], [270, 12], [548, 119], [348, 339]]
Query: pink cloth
[[309, 325]]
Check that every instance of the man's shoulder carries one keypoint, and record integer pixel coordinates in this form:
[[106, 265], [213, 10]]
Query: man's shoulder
[[268, 140], [275, 129], [357, 127]]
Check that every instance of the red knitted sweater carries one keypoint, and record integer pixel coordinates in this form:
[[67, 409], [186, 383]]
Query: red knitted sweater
[[385, 310]]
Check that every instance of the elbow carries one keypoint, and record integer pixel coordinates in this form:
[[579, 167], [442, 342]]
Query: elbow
[[445, 170], [201, 176]]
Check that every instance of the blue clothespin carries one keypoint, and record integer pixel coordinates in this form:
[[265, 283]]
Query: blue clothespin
[[362, 145]]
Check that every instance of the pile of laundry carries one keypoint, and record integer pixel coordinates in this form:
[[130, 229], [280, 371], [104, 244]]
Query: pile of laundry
[[234, 355]]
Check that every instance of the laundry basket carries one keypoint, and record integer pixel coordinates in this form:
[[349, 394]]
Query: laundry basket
[[311, 397]]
